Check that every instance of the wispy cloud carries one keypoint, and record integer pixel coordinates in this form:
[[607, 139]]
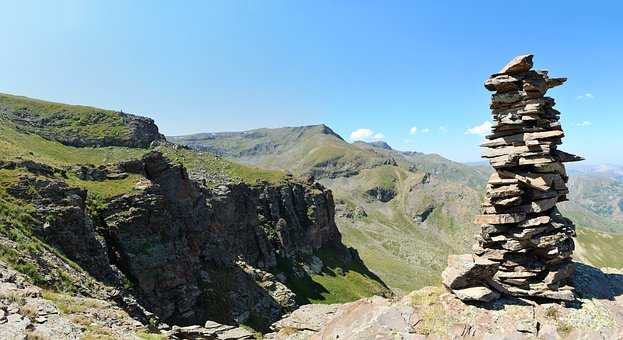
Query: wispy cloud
[[587, 95], [413, 130], [481, 129], [584, 123], [443, 129], [366, 135]]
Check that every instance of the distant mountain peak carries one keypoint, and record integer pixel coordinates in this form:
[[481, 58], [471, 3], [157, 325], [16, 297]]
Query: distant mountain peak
[[322, 129], [377, 144]]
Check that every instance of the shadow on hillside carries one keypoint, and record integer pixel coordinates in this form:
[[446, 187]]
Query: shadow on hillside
[[592, 283], [337, 287], [332, 261]]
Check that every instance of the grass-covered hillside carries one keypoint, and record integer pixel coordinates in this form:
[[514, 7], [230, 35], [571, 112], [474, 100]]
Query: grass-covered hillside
[[400, 210], [406, 211], [30, 148], [597, 200], [78, 125], [303, 150]]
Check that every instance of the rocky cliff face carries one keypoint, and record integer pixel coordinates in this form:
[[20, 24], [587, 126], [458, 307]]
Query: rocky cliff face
[[64, 222], [187, 252], [197, 254]]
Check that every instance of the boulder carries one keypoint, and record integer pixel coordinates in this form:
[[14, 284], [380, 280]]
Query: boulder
[[467, 271]]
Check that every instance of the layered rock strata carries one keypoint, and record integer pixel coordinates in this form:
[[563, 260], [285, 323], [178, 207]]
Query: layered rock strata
[[197, 253], [189, 253], [525, 244]]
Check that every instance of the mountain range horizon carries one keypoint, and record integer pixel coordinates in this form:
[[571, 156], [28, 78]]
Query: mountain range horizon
[[379, 221], [324, 170]]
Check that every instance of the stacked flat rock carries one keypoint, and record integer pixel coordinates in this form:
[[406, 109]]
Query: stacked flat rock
[[522, 233]]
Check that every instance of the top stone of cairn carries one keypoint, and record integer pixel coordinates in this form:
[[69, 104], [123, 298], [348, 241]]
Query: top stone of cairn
[[519, 64]]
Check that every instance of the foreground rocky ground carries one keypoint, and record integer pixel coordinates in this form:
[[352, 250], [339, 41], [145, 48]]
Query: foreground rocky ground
[[28, 312], [434, 313]]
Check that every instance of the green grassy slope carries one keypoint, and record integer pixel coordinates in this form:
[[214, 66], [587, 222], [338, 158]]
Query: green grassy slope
[[63, 119], [336, 284], [405, 240], [303, 150], [596, 201], [220, 170], [600, 249]]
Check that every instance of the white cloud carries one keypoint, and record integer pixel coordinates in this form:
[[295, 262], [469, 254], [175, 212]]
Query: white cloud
[[587, 95], [585, 123], [413, 130], [481, 129], [425, 130], [366, 135], [443, 129], [361, 134]]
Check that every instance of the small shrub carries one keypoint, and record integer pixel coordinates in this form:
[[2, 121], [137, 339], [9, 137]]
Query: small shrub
[[551, 312], [426, 296], [564, 329], [287, 331], [68, 304], [97, 332], [82, 320], [150, 336], [13, 297], [31, 311], [434, 320], [127, 284], [36, 335]]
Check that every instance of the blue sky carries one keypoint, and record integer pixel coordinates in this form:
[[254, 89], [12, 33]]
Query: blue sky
[[377, 68]]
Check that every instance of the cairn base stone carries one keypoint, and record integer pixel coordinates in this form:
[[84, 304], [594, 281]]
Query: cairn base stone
[[480, 294], [467, 271]]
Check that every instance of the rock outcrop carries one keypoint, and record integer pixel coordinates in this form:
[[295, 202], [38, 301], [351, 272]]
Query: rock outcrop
[[433, 313], [187, 252], [28, 312], [524, 239], [63, 222], [197, 254]]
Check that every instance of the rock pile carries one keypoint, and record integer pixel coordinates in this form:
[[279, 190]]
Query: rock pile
[[523, 234]]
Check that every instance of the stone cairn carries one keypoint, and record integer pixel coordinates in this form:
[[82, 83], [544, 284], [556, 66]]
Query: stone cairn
[[525, 245]]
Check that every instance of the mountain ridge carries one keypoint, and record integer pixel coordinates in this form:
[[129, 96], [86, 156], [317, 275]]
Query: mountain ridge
[[168, 233], [408, 210]]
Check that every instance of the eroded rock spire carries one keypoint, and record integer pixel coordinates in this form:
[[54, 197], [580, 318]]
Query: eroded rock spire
[[525, 244]]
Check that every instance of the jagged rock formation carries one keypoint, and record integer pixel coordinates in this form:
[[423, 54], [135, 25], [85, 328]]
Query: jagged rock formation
[[198, 254], [189, 253], [64, 222], [28, 312], [525, 244]]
